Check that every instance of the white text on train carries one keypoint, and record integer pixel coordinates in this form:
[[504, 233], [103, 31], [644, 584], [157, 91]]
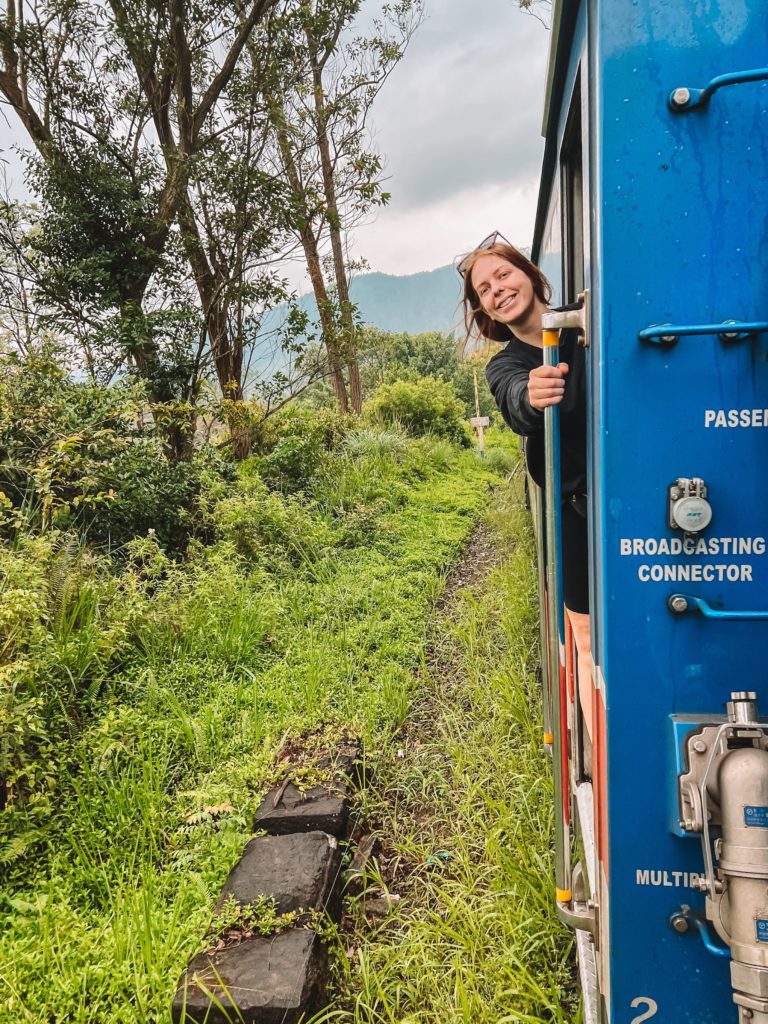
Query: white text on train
[[736, 417], [668, 879], [692, 545], [693, 572]]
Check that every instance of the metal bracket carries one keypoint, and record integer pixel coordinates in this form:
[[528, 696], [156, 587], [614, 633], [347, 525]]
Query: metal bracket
[[681, 603], [729, 330], [697, 747], [683, 98], [576, 316], [579, 916], [579, 912]]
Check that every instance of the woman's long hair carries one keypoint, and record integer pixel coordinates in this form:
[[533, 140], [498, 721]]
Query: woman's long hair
[[476, 320]]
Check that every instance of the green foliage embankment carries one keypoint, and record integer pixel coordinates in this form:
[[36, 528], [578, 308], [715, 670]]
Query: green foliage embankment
[[145, 689]]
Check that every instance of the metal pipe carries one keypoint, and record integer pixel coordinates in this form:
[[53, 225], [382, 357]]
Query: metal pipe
[[537, 511], [743, 863], [737, 772], [555, 615]]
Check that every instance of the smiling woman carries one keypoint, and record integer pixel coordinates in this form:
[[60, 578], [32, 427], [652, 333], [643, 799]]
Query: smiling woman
[[505, 297]]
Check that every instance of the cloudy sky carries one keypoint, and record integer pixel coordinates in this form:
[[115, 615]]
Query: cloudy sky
[[459, 123]]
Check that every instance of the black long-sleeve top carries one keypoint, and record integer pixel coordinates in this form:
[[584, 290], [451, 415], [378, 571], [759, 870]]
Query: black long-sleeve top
[[507, 374]]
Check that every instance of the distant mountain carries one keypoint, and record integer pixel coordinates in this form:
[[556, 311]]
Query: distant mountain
[[413, 303]]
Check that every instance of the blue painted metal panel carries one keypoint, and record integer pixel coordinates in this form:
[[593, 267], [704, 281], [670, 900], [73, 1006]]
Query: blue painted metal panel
[[682, 233]]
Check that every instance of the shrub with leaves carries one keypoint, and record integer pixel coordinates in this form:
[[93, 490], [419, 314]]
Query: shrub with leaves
[[57, 438], [304, 438], [150, 492], [266, 527], [426, 406], [66, 623], [75, 455]]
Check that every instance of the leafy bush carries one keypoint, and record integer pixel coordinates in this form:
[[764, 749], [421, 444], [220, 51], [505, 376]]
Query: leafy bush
[[67, 622], [57, 439], [293, 461], [75, 455], [302, 439], [427, 406], [263, 526], [151, 493], [386, 357]]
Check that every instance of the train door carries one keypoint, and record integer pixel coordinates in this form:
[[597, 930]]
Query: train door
[[573, 247], [567, 233], [576, 231]]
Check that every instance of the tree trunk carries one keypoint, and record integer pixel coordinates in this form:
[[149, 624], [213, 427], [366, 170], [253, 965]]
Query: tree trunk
[[355, 386], [347, 346], [325, 309], [226, 348], [314, 266]]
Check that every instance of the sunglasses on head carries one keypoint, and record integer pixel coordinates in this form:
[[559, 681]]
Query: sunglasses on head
[[487, 243]]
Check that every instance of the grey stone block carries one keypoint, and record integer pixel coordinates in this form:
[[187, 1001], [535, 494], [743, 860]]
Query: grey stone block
[[298, 871], [270, 981], [316, 809]]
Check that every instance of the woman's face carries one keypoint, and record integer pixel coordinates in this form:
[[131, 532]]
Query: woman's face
[[505, 292]]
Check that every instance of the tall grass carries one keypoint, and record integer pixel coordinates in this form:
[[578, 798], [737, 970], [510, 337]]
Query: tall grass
[[464, 804]]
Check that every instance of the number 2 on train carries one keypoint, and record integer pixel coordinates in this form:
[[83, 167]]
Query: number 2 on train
[[650, 1012]]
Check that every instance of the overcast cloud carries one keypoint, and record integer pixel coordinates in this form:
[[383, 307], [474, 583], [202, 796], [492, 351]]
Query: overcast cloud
[[459, 125]]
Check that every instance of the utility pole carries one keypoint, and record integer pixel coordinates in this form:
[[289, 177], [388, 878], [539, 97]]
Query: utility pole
[[479, 422]]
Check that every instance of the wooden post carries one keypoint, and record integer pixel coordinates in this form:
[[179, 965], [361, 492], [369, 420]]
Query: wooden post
[[479, 422]]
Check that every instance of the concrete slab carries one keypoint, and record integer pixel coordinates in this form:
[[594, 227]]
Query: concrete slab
[[270, 981], [298, 871], [317, 809]]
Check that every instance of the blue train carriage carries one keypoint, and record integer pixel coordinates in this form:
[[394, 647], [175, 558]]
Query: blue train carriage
[[652, 217]]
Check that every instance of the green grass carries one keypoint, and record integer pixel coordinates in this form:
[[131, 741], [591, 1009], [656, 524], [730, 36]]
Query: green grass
[[112, 871], [465, 819]]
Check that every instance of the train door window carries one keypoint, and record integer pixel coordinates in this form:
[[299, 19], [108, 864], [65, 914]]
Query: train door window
[[572, 179]]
